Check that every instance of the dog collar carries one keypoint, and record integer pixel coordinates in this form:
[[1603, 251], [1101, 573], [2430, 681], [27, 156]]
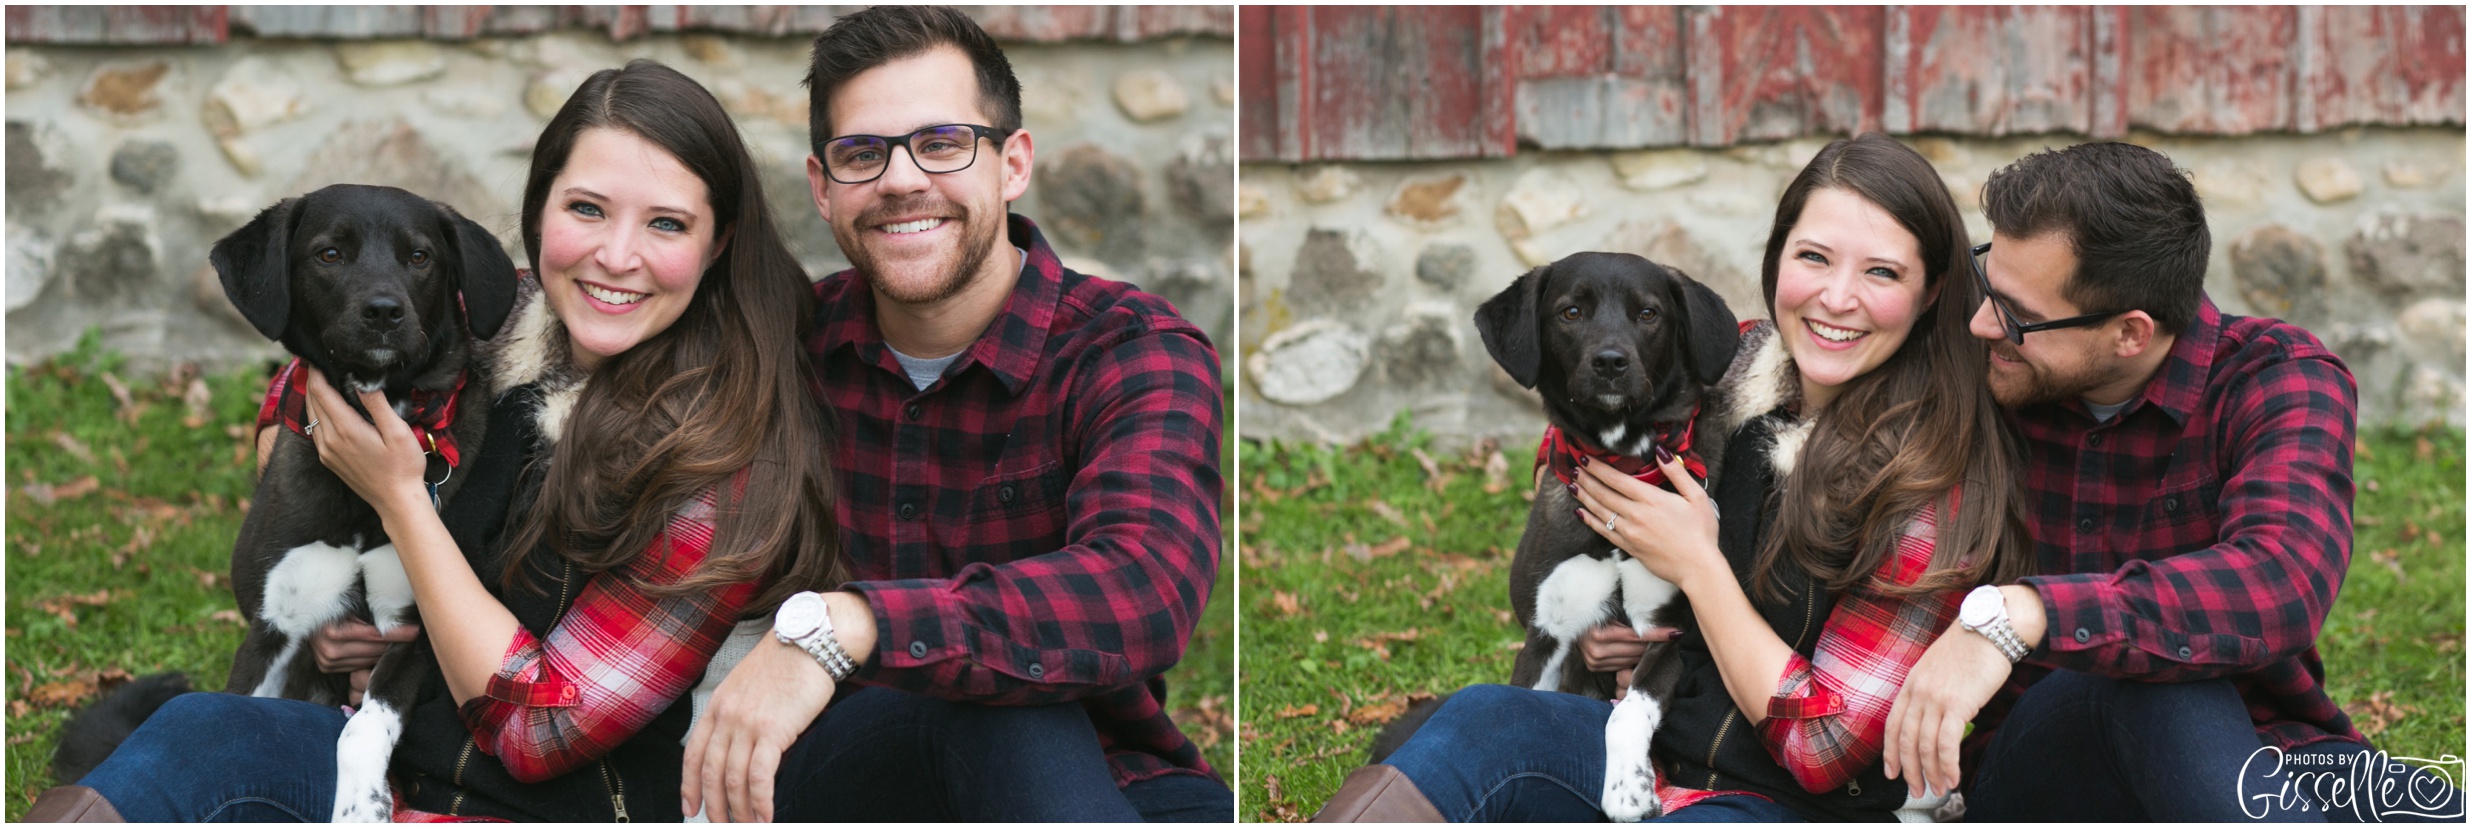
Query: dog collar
[[431, 414], [1562, 454]]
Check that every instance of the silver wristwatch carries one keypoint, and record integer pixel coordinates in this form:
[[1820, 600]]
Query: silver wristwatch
[[804, 622], [1985, 611]]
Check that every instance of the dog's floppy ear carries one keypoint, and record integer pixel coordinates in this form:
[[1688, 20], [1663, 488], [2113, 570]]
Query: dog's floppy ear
[[1711, 333], [1508, 324], [255, 266], [483, 273]]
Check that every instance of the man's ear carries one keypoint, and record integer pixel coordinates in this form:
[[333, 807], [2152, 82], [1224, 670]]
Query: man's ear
[[2136, 333], [818, 186], [1020, 155]]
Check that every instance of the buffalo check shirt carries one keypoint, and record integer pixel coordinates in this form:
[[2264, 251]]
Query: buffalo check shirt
[[1041, 523], [2202, 532]]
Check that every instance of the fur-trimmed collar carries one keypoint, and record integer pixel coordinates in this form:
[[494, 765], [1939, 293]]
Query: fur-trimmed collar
[[534, 347], [1761, 382]]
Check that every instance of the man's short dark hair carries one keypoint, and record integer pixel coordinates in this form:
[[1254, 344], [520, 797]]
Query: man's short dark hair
[[2132, 217], [883, 34]]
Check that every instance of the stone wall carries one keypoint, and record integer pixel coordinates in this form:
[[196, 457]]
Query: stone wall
[[1360, 281], [126, 163]]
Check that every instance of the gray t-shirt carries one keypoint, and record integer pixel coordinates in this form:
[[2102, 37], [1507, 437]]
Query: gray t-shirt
[[924, 372], [2101, 413]]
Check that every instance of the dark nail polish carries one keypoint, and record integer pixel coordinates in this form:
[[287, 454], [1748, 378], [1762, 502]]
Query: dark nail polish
[[1663, 455], [1573, 487], [1582, 461], [1581, 514]]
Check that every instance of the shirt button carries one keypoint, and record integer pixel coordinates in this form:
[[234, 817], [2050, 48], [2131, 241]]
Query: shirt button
[[1038, 671], [2170, 504], [909, 511], [2186, 653], [1004, 494], [2084, 525], [2083, 636], [2095, 440], [918, 649], [566, 694], [912, 411]]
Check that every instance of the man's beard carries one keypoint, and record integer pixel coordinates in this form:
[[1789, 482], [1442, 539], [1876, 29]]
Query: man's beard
[[947, 279], [2025, 384]]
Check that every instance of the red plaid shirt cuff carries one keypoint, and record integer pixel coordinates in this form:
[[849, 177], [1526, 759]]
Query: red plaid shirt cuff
[[1800, 695]]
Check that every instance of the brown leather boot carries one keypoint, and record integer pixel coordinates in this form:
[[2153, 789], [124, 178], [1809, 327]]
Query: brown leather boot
[[72, 803], [1377, 793]]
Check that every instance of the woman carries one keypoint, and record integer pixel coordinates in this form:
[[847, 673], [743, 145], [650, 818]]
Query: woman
[[1868, 482], [650, 382]]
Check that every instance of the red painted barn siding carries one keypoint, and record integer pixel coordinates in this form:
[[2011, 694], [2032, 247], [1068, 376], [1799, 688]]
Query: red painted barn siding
[[138, 25], [1349, 83]]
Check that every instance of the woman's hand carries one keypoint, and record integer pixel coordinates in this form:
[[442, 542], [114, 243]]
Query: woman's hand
[[379, 458], [353, 646], [1674, 535], [1614, 648]]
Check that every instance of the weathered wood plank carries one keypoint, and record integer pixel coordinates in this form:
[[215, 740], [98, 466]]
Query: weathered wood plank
[[1990, 70], [2382, 65], [117, 24], [2219, 70], [1803, 70], [1257, 103]]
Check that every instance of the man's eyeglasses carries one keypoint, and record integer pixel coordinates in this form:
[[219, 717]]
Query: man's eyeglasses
[[2016, 330], [858, 159]]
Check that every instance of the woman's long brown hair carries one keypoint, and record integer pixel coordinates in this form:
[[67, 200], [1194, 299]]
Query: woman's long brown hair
[[726, 388], [1898, 439]]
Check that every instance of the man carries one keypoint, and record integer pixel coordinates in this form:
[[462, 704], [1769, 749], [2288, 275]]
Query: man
[[1032, 486], [2189, 483]]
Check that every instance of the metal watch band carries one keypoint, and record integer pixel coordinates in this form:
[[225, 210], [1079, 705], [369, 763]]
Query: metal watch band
[[2003, 635]]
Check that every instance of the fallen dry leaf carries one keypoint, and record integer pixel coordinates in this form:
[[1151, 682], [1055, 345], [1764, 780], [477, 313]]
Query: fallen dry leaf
[[1339, 726], [1379, 712], [1299, 711], [2380, 712], [46, 494], [1287, 602], [231, 616], [18, 708], [120, 392], [65, 606], [1276, 791], [1388, 512], [1496, 473], [72, 446], [198, 398]]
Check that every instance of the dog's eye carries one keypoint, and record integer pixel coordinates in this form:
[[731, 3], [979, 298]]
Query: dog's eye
[[330, 255], [1647, 314], [1571, 313], [420, 257]]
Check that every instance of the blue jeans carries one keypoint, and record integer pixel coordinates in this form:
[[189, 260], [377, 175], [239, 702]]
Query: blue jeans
[[2082, 748], [1494, 753], [880, 754], [214, 757]]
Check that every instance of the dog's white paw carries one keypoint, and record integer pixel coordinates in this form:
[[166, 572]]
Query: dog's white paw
[[361, 754], [1629, 778]]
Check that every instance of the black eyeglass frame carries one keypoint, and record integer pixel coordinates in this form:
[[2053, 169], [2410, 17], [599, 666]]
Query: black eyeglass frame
[[992, 134], [2008, 323]]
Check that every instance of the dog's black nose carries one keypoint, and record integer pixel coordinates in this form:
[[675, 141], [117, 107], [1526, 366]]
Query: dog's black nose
[[382, 313], [1610, 363]]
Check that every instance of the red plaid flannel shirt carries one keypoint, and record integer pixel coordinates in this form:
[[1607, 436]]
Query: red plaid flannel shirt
[[2203, 532], [615, 660], [1041, 524], [1829, 717]]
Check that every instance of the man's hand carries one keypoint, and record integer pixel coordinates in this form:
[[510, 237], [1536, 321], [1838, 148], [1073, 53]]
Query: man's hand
[[1613, 648], [353, 646], [1926, 727], [755, 715]]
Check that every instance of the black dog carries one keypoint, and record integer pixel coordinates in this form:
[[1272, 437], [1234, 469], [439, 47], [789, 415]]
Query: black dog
[[379, 289], [1622, 351]]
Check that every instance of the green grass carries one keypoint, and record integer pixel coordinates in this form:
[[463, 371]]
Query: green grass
[[1340, 629], [155, 532]]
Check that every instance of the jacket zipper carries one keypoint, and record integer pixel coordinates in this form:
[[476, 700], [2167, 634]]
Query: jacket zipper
[[456, 809], [1809, 608], [617, 791]]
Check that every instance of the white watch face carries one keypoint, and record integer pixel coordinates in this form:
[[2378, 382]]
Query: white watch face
[[1981, 607], [799, 616]]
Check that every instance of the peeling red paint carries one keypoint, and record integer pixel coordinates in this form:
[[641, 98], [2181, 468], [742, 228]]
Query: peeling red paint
[[1615, 77]]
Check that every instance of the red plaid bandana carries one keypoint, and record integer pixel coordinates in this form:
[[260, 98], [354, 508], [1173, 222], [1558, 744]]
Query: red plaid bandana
[[431, 414], [1562, 453]]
